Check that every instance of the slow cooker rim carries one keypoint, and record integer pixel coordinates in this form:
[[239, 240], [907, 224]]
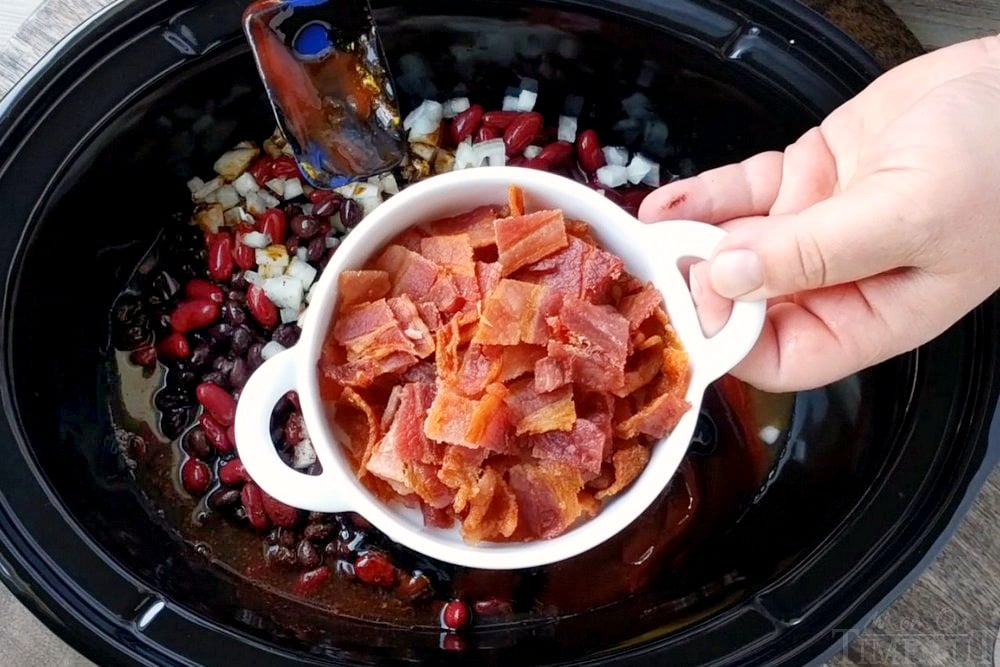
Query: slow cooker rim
[[11, 102]]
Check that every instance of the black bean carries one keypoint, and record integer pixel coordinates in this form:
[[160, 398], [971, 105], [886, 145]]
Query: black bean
[[292, 244], [234, 313], [132, 336], [239, 374], [242, 339], [292, 210], [304, 226], [171, 398], [351, 213], [287, 335], [217, 377], [288, 538], [254, 357], [195, 444], [281, 556], [307, 555], [223, 364], [183, 374], [173, 422], [221, 333], [224, 498], [318, 532], [164, 287], [316, 249], [201, 356], [328, 207], [238, 281], [239, 296]]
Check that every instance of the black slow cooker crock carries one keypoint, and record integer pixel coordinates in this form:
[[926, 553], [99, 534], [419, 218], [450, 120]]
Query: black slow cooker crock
[[95, 147]]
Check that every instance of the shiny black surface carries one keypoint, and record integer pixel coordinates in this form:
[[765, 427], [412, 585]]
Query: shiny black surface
[[876, 469]]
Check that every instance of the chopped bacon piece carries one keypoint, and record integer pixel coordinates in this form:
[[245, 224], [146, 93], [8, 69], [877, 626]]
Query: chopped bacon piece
[[362, 373], [384, 462], [445, 294], [583, 447], [598, 409], [413, 326], [580, 230], [409, 273], [524, 239], [421, 372], [423, 479], [537, 413], [657, 419], [487, 276], [362, 287], [491, 422], [452, 253], [371, 332], [409, 239], [515, 200], [516, 360], [550, 374], [596, 345], [639, 307], [580, 270], [546, 495], [437, 518], [492, 509], [449, 417], [408, 425], [643, 367], [355, 424], [478, 224], [513, 314], [430, 314], [391, 406], [460, 470], [629, 462], [480, 367], [449, 363]]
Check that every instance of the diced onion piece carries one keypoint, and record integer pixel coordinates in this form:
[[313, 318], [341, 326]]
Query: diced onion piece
[[302, 271], [532, 152], [195, 184], [257, 240], [612, 175], [301, 254], [210, 217], [228, 197], [637, 105], [255, 204], [289, 315], [246, 184], [272, 255], [269, 200], [616, 155], [303, 455], [425, 119], [207, 189], [456, 106], [465, 156], [253, 278], [272, 349], [389, 185], [567, 128], [333, 242], [652, 179], [769, 434], [492, 152], [284, 291], [234, 216], [638, 168], [628, 128], [236, 161], [423, 151], [510, 102], [444, 162], [277, 186], [293, 188], [526, 100]]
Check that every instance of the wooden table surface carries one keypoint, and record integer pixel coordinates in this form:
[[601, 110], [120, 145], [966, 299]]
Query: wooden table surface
[[950, 617]]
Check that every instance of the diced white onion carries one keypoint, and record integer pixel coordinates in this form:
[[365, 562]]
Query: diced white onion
[[492, 152], [253, 278], [256, 240], [235, 162], [456, 106], [254, 204], [246, 184], [300, 253], [304, 455], [654, 136], [389, 185], [284, 291], [195, 184], [277, 186], [272, 349], [332, 242], [207, 189], [425, 119], [652, 179], [273, 255], [510, 102], [269, 200], [616, 155], [567, 128], [228, 197], [639, 168], [637, 105], [465, 156], [532, 152], [526, 100], [302, 271], [293, 188], [289, 315], [233, 216], [769, 434], [612, 175]]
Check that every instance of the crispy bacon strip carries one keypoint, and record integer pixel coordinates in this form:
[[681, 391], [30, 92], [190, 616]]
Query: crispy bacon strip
[[357, 287], [524, 239]]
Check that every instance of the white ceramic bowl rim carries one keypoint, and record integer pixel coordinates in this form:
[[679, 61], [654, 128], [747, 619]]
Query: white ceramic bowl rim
[[650, 251]]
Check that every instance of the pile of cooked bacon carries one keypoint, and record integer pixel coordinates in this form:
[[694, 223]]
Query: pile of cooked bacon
[[501, 369]]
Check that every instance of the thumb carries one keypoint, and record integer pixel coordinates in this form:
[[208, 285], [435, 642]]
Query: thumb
[[862, 232]]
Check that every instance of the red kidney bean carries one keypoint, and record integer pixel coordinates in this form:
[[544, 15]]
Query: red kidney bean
[[232, 473], [292, 244], [231, 431], [492, 607], [215, 433], [465, 123], [522, 131], [536, 163], [518, 161], [144, 356], [192, 315], [455, 615], [414, 587], [280, 513], [351, 213], [262, 169], [451, 642], [556, 154], [217, 401], [220, 257], [500, 119], [285, 167], [244, 256], [274, 224], [486, 133], [175, 346], [295, 429], [375, 568], [588, 151], [304, 226], [199, 289], [316, 249], [311, 581], [261, 308], [196, 477], [253, 503]]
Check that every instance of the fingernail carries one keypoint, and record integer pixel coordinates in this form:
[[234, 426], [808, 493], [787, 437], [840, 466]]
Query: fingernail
[[737, 272]]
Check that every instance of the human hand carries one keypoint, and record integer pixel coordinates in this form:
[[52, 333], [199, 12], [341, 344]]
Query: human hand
[[871, 234]]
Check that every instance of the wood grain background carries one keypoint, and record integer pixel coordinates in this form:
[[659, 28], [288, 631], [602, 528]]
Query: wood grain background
[[950, 617]]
